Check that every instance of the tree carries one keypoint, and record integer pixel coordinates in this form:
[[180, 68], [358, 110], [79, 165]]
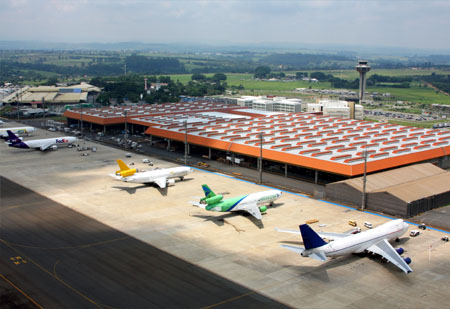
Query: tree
[[300, 75], [262, 72], [198, 77], [319, 76], [219, 77], [52, 81]]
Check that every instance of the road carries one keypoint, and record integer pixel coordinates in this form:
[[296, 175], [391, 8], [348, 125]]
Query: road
[[52, 256]]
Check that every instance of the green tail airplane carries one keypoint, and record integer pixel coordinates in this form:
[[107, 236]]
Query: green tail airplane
[[252, 203]]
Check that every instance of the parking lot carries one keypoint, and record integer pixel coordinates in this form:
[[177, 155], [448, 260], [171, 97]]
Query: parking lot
[[234, 246]]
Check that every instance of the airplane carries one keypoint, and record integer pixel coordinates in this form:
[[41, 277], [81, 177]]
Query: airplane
[[251, 203], [162, 177], [20, 131], [374, 241], [41, 144]]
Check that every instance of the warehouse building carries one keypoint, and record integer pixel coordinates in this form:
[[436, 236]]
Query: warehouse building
[[56, 97], [308, 146], [402, 192]]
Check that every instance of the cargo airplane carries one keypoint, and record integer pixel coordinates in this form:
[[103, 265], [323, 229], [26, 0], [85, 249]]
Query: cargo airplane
[[19, 131], [374, 241], [251, 203], [41, 144], [162, 177]]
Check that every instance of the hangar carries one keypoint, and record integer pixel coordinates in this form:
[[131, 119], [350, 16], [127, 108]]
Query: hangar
[[57, 97], [309, 146], [403, 192]]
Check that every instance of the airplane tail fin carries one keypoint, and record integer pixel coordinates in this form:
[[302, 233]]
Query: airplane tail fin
[[311, 239], [122, 165], [124, 171], [12, 138], [208, 191]]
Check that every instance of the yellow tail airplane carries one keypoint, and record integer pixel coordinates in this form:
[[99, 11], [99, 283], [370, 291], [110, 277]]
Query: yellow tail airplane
[[162, 177]]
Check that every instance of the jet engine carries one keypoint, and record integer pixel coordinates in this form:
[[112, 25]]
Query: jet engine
[[170, 182], [54, 147], [400, 251], [263, 209], [407, 260], [214, 199], [126, 173]]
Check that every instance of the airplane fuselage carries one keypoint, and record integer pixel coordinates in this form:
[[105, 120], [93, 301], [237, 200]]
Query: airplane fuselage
[[45, 143], [151, 176], [19, 131], [244, 201], [357, 243]]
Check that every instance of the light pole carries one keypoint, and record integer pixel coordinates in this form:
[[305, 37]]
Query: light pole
[[260, 156], [125, 136], [81, 120], [363, 203], [185, 143], [43, 107], [18, 106]]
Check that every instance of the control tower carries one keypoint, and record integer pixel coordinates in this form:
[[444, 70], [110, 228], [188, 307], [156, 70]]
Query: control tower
[[362, 68]]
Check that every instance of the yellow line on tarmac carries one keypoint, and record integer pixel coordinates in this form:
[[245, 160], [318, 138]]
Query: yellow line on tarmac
[[52, 275], [67, 247], [21, 292], [229, 300], [19, 206]]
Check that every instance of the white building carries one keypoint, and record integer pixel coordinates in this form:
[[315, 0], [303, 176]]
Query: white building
[[336, 108], [276, 104]]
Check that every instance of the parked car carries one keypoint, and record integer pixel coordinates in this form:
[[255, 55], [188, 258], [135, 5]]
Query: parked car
[[414, 233], [368, 225], [352, 222], [355, 230]]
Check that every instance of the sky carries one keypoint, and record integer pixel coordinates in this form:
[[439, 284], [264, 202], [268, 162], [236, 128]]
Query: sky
[[423, 24]]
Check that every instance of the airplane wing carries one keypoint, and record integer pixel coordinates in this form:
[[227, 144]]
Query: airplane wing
[[198, 204], [115, 176], [297, 250], [330, 236], [254, 211], [385, 249], [45, 146], [318, 255], [161, 182]]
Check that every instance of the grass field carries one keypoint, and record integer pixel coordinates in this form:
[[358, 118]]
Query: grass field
[[423, 124], [416, 94], [352, 74]]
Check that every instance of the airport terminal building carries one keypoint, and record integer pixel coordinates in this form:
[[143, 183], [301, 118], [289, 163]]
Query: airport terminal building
[[309, 146]]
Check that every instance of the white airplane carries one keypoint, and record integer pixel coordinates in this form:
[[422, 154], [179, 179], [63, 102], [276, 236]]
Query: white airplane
[[162, 177], [374, 241], [20, 131], [41, 144], [251, 203]]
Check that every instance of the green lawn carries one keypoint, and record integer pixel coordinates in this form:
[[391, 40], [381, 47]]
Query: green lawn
[[414, 94], [423, 124], [352, 74], [249, 83]]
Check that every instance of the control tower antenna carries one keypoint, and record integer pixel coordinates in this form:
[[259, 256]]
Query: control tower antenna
[[362, 68]]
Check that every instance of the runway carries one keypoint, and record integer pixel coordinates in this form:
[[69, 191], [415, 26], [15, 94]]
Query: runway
[[52, 256]]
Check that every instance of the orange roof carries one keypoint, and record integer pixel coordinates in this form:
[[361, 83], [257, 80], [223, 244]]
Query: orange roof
[[339, 156]]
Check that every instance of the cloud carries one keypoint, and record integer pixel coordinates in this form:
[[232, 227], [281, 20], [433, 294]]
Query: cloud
[[403, 23]]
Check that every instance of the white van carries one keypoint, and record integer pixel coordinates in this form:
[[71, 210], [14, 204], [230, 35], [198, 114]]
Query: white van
[[368, 225]]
